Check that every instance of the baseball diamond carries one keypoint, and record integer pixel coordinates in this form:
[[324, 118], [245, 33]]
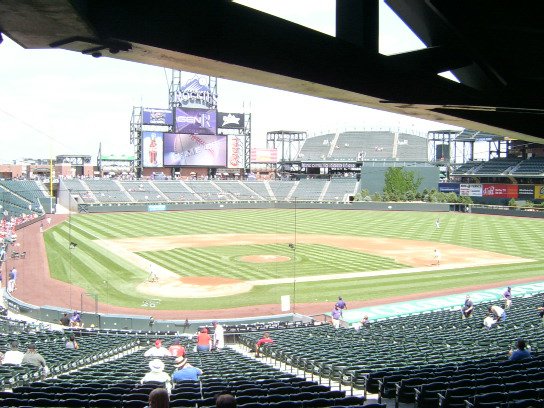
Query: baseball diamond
[[200, 257]]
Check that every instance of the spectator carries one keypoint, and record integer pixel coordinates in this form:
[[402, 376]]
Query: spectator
[[1, 357], [75, 320], [521, 351], [176, 349], [13, 356], [341, 305], [33, 358], [541, 311], [364, 321], [72, 343], [468, 308], [158, 398], [157, 374], [507, 296], [203, 340], [264, 340], [336, 314], [185, 371], [498, 313], [218, 335], [157, 350], [225, 401], [65, 320]]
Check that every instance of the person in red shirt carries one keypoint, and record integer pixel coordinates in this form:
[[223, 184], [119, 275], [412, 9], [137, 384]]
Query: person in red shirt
[[264, 340], [203, 340], [176, 349]]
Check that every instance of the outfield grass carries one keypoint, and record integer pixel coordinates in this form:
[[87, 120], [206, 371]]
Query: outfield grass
[[109, 275]]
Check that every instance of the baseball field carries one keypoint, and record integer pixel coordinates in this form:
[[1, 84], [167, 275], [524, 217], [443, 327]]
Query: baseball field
[[232, 258]]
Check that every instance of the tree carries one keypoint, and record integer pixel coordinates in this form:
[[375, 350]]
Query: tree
[[399, 181]]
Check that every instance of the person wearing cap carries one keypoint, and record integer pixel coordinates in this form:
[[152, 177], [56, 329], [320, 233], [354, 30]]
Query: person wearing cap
[[13, 356], [176, 349], [157, 350], [33, 358], [185, 371], [218, 335], [157, 374]]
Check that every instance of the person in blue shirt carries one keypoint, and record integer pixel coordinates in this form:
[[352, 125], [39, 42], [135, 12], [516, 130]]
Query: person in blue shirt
[[521, 352], [185, 371]]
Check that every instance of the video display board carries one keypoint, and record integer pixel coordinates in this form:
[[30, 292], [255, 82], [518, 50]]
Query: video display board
[[196, 121], [153, 116], [195, 150], [152, 144]]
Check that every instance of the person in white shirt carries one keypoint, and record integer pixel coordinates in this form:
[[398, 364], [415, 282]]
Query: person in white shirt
[[13, 356], [157, 351], [157, 374], [219, 335]]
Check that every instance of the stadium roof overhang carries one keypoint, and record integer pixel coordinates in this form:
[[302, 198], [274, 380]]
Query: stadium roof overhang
[[493, 47]]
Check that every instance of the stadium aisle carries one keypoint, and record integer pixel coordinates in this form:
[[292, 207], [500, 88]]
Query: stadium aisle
[[452, 302]]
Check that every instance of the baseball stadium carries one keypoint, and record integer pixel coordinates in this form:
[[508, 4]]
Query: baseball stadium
[[375, 268]]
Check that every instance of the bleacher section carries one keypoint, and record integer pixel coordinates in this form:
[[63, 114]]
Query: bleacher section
[[308, 189], [411, 147], [175, 191], [373, 145], [107, 191], [398, 356], [339, 188], [497, 166], [259, 188], [142, 191], [281, 189], [78, 189], [206, 190], [238, 190], [466, 168], [316, 148], [17, 195], [532, 166]]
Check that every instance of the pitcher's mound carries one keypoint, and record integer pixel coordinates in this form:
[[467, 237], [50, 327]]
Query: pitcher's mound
[[264, 258]]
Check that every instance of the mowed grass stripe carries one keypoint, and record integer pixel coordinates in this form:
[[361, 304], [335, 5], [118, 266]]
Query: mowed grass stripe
[[307, 260], [508, 235]]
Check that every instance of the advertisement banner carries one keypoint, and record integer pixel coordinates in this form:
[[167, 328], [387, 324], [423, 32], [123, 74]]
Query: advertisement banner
[[152, 116], [464, 190], [264, 155], [230, 120], [449, 188], [475, 190], [500, 190], [329, 165], [235, 158], [526, 192], [539, 192], [195, 150], [196, 121], [152, 143]]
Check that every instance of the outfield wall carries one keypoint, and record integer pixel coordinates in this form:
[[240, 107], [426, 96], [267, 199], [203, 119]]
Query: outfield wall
[[289, 205]]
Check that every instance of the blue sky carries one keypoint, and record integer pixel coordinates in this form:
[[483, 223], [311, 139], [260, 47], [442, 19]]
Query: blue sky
[[60, 102]]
